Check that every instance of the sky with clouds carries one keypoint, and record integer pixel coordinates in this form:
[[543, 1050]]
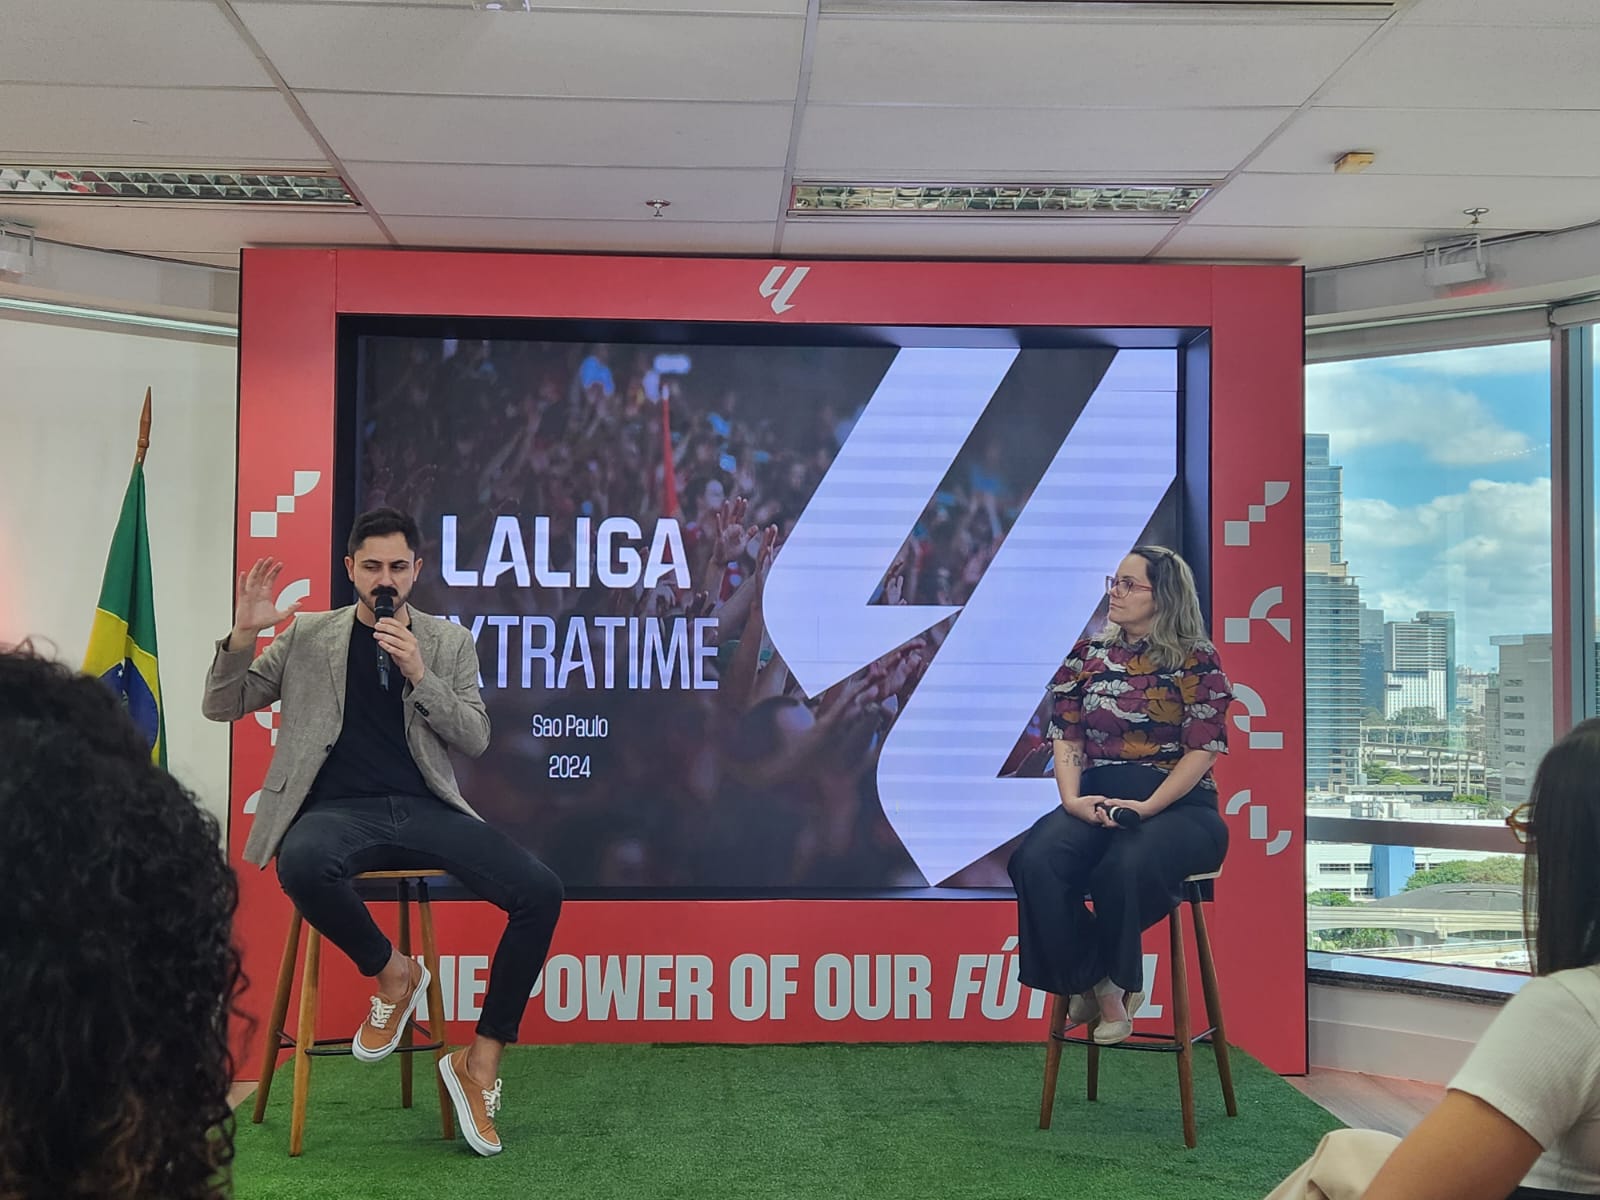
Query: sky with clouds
[[1446, 461]]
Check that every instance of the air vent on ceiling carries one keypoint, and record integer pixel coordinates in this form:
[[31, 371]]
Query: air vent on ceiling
[[171, 185], [1142, 200]]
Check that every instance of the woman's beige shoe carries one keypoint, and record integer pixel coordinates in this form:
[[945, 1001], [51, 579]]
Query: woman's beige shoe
[[1109, 1033]]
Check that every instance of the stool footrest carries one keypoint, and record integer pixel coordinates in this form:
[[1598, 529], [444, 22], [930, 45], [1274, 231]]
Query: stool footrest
[[333, 1047], [1160, 1043]]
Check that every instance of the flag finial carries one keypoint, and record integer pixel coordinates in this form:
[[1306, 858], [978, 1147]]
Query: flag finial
[[144, 430]]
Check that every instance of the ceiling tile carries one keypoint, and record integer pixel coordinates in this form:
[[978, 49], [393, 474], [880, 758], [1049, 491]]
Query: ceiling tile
[[1076, 64], [446, 129], [68, 126], [1393, 201], [725, 7], [176, 43], [572, 53], [568, 193], [1423, 66], [1289, 244], [1440, 141], [898, 142], [1498, 12], [667, 236], [973, 237], [163, 230]]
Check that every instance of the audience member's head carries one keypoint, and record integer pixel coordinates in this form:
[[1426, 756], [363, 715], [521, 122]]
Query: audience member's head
[[1562, 887], [118, 971]]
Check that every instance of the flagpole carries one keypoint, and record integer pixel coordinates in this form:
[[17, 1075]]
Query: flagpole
[[144, 431]]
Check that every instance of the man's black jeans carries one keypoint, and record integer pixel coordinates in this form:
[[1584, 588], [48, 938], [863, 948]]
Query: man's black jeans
[[333, 840]]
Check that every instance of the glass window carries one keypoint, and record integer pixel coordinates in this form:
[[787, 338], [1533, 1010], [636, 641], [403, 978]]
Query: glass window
[[1428, 638], [1594, 552]]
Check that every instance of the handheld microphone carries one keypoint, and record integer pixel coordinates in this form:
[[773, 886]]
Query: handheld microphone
[[1128, 818], [383, 606]]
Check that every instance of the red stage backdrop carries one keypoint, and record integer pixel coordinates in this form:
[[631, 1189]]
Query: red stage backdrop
[[810, 970]]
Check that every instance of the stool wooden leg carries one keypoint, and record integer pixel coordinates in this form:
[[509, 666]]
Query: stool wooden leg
[[305, 1038], [436, 1026], [1052, 1058], [1093, 1073], [272, 1037], [1208, 981], [1181, 1025], [404, 888]]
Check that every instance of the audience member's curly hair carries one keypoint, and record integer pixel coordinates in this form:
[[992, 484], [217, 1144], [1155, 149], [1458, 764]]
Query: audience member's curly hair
[[119, 970]]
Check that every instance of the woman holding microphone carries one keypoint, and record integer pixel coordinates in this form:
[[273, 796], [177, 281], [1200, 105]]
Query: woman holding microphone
[[1137, 720]]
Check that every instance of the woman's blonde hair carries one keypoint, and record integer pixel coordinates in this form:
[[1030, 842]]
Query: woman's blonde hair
[[1178, 627]]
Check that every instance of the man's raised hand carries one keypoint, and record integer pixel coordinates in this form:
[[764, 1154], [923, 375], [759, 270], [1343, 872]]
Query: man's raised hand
[[254, 608]]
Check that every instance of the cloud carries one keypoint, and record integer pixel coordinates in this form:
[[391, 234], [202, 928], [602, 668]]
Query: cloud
[[1483, 553], [1450, 426], [1509, 358]]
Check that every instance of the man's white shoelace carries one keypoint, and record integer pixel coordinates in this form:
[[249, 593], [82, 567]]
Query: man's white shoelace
[[382, 1010], [491, 1100]]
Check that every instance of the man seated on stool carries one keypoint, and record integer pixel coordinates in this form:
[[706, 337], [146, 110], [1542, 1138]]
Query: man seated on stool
[[375, 695]]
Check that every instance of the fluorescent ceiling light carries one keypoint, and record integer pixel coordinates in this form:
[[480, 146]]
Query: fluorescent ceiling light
[[1008, 200], [111, 316], [175, 185]]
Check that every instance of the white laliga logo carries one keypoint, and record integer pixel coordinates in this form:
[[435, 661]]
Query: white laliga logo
[[1254, 709], [1237, 533], [780, 295], [937, 775], [264, 524], [1278, 842], [1237, 629], [267, 718]]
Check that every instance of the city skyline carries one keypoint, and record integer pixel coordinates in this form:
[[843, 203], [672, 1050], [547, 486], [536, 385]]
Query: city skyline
[[1443, 461]]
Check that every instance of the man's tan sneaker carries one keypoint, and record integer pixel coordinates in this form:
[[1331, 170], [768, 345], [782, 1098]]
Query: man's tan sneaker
[[475, 1104], [380, 1032]]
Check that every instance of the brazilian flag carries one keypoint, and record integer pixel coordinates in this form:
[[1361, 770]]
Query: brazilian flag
[[122, 645]]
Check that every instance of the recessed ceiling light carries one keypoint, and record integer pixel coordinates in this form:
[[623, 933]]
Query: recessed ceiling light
[[172, 185], [996, 199], [503, 5]]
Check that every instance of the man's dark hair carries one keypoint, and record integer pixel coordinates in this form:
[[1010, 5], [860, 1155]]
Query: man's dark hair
[[380, 522], [120, 972]]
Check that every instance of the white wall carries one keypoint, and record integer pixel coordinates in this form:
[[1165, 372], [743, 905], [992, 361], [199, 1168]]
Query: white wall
[[69, 421]]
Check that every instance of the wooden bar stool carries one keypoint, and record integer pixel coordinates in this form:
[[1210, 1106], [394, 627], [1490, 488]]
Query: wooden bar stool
[[1197, 890], [306, 1044]]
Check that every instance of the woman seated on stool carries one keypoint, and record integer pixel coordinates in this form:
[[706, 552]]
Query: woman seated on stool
[[1136, 723], [1521, 1118]]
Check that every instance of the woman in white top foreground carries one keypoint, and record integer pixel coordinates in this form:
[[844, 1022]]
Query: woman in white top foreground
[[1522, 1117]]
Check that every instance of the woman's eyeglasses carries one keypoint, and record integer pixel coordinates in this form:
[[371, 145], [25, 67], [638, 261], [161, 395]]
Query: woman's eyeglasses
[[1121, 587], [1521, 822]]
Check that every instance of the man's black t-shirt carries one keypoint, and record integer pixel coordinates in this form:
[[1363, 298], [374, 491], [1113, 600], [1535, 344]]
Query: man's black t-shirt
[[371, 757]]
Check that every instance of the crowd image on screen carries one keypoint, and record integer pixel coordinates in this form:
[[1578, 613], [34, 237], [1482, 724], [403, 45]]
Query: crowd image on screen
[[752, 784]]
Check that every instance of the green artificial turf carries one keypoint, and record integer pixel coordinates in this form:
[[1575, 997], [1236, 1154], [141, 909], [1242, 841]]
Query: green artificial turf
[[922, 1122]]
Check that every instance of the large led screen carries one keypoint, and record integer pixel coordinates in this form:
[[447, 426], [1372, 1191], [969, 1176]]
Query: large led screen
[[768, 619]]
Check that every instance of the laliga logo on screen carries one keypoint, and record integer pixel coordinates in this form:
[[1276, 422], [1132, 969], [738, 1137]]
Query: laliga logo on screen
[[939, 767], [265, 524], [1278, 842], [780, 295], [1237, 629]]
